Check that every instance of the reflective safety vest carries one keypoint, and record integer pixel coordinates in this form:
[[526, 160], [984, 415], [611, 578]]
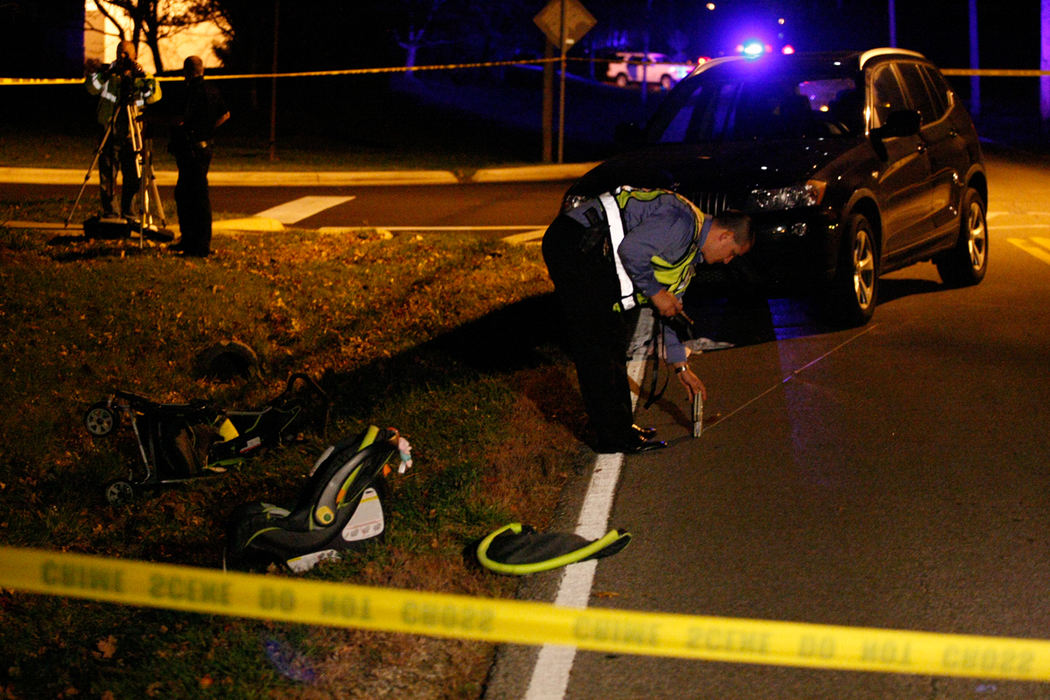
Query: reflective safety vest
[[145, 91], [674, 275]]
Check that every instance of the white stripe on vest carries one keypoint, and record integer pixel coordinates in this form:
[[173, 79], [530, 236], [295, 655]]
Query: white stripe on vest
[[616, 234]]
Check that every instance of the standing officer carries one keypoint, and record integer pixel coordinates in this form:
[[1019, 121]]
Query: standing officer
[[123, 89], [606, 256], [191, 143]]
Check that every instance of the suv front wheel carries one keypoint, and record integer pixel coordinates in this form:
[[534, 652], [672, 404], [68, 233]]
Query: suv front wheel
[[855, 288]]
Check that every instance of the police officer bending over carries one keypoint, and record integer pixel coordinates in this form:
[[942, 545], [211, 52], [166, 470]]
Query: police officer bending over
[[608, 255]]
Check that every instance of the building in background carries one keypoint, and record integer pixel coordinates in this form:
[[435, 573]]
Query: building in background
[[101, 37]]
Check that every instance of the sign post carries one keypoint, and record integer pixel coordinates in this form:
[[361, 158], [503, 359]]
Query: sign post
[[564, 22]]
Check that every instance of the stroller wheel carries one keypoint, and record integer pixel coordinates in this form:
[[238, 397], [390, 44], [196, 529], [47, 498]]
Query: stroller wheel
[[119, 492], [100, 420]]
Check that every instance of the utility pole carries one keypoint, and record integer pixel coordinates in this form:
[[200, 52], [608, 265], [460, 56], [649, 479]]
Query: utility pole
[[1044, 63], [547, 116], [561, 95], [273, 83], [893, 22], [645, 61], [975, 63]]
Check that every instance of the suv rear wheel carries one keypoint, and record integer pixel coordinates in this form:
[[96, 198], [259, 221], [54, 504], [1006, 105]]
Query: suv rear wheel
[[966, 263]]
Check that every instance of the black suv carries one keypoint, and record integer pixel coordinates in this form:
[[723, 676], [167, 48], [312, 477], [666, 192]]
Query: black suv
[[850, 164]]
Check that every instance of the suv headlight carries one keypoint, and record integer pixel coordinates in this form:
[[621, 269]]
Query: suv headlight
[[807, 195]]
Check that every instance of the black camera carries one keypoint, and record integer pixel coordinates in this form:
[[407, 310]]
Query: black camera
[[125, 66]]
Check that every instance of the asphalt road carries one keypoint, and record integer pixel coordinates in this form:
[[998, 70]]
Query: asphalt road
[[486, 208], [894, 476], [523, 205]]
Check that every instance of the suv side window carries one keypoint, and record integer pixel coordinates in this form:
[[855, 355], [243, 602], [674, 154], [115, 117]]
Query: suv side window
[[690, 121], [886, 95], [928, 106], [939, 87]]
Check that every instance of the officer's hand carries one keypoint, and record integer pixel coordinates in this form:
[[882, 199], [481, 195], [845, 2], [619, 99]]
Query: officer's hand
[[692, 383], [667, 304]]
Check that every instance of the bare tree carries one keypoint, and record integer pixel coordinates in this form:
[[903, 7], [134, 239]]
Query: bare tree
[[153, 20], [415, 35]]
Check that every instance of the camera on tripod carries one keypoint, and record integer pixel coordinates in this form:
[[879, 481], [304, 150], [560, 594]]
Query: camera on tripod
[[124, 66]]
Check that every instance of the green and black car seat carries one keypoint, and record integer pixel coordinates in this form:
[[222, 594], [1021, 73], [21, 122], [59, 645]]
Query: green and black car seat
[[338, 507]]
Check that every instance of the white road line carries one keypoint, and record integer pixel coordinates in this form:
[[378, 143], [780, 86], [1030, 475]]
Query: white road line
[[550, 676], [1032, 250], [302, 208], [1002, 212]]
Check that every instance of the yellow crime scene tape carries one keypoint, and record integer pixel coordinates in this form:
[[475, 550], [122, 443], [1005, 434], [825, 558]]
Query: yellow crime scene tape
[[300, 74], [996, 72], [521, 622], [984, 72]]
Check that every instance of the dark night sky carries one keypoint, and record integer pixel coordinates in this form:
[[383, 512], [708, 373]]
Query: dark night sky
[[34, 31]]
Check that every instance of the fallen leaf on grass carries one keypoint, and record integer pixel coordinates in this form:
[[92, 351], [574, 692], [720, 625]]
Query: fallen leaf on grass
[[107, 647]]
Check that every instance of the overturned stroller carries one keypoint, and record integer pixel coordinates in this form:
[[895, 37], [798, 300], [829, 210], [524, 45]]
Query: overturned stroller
[[339, 505], [183, 442]]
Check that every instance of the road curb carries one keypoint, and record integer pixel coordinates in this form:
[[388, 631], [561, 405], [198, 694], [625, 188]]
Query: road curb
[[322, 178], [251, 224]]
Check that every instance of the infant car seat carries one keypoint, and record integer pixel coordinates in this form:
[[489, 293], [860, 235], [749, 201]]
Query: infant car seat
[[338, 507]]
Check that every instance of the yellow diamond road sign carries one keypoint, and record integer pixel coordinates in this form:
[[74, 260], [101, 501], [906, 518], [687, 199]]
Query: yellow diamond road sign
[[578, 21]]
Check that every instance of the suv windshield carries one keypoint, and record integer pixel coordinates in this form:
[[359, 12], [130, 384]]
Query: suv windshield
[[744, 101]]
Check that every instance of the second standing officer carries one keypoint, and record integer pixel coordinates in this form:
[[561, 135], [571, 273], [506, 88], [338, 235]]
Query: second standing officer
[[191, 144]]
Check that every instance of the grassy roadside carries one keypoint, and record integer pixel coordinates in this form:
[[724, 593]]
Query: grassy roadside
[[446, 338], [27, 148]]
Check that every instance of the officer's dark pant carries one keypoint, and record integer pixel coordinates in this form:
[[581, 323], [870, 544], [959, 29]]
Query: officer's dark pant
[[117, 151], [192, 202], [586, 287]]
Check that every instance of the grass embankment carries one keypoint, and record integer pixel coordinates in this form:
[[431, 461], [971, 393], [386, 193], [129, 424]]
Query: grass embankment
[[445, 338], [26, 148]]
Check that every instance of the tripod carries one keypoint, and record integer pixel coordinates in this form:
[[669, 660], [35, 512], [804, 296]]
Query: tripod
[[148, 194]]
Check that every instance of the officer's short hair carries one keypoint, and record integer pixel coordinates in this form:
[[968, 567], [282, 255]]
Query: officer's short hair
[[129, 49], [739, 223]]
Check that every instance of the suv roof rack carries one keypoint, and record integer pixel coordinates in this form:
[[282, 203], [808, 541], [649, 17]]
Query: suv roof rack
[[888, 51]]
